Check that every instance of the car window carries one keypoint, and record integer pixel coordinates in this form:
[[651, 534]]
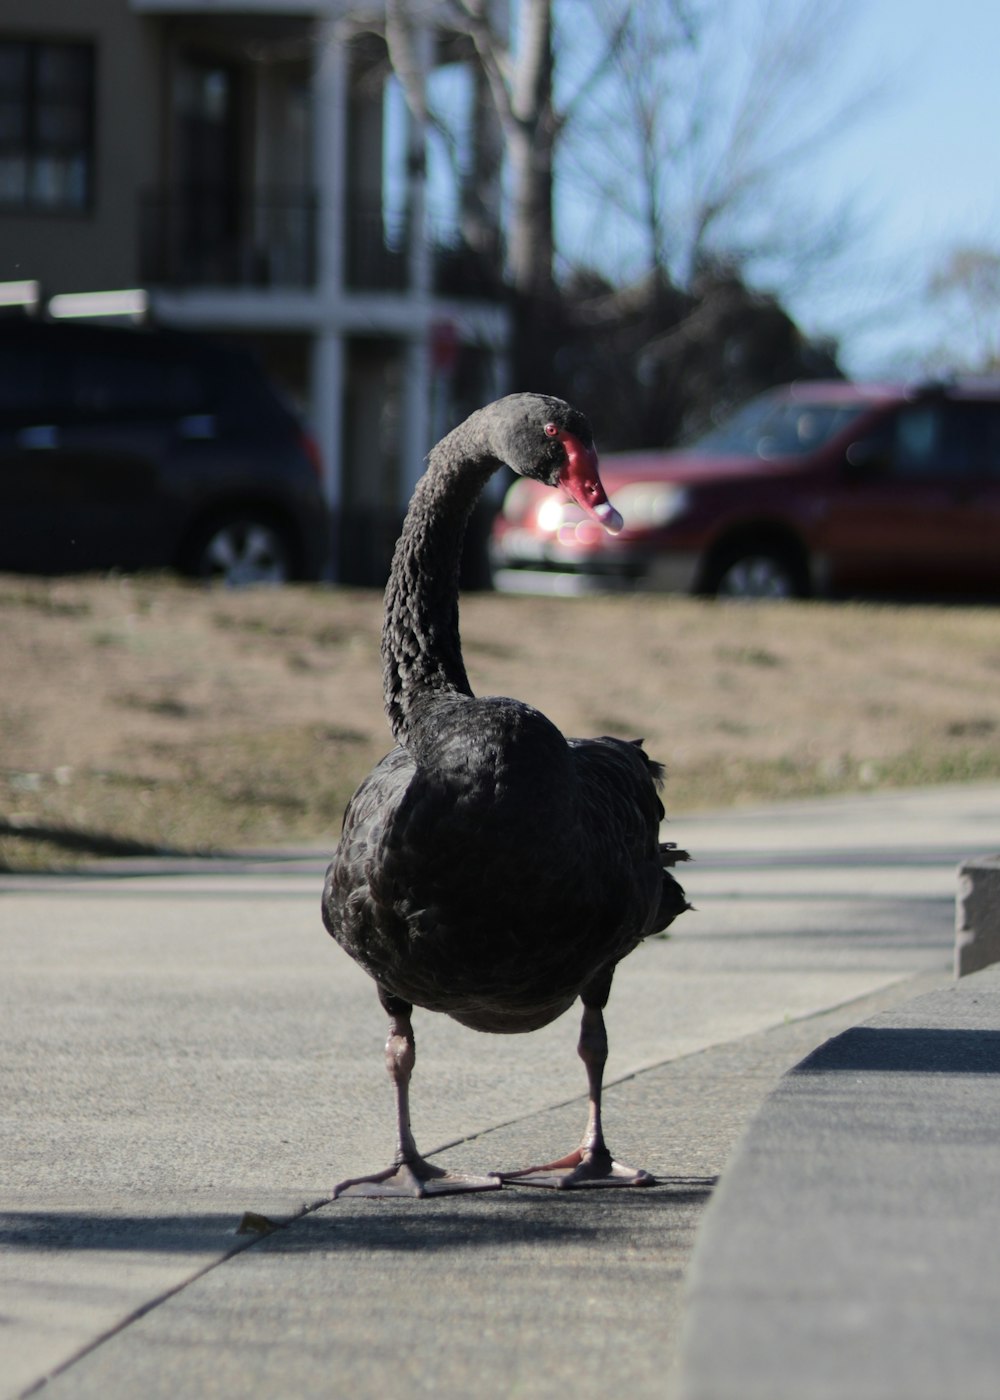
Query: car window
[[769, 428], [22, 383], [946, 438], [983, 421], [119, 386], [917, 449], [57, 383]]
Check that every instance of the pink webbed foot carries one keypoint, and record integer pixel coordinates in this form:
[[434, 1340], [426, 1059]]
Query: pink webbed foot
[[415, 1178], [586, 1167]]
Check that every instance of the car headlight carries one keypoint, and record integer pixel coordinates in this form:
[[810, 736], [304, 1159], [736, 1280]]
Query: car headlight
[[647, 505], [554, 512]]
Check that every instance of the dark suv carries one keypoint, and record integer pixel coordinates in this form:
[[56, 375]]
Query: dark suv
[[812, 488], [151, 449]]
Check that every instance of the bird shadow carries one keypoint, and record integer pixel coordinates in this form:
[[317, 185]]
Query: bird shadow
[[81, 1230], [511, 1216]]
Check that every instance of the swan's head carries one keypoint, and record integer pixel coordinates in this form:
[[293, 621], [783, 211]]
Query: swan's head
[[550, 441]]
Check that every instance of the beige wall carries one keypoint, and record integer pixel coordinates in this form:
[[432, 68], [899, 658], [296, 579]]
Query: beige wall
[[99, 249]]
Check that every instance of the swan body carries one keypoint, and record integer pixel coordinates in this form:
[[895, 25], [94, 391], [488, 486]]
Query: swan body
[[490, 868]]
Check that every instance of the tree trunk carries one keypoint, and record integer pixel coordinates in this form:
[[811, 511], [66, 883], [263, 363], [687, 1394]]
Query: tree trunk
[[531, 141], [480, 190]]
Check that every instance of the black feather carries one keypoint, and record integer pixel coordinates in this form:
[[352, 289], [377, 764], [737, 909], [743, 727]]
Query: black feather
[[489, 868]]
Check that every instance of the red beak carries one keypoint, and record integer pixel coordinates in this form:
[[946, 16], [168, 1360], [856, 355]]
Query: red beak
[[581, 479]]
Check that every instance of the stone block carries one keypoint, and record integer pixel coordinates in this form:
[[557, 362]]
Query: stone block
[[977, 915]]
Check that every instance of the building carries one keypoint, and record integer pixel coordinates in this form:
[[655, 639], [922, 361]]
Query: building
[[253, 167]]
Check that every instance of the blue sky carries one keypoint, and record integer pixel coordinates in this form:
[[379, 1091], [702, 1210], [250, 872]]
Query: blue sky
[[926, 164]]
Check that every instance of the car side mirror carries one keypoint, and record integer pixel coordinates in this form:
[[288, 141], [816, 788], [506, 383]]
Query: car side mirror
[[866, 459]]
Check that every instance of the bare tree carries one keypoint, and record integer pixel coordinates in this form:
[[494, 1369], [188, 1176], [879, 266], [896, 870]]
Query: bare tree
[[967, 286], [512, 91], [655, 135], [520, 83], [696, 152], [516, 68], [657, 132]]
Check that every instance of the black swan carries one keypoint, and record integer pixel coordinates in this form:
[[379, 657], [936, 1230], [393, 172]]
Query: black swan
[[488, 867]]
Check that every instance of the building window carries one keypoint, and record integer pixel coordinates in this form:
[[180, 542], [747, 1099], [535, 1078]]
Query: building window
[[46, 125]]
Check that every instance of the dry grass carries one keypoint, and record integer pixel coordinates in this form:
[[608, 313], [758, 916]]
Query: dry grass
[[142, 714]]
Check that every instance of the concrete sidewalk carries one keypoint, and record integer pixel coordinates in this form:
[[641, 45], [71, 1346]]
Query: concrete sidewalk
[[184, 1045]]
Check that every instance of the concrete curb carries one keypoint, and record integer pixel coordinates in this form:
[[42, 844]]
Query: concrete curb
[[851, 1247]]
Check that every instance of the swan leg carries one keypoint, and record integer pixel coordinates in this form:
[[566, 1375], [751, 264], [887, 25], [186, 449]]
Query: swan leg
[[410, 1174], [591, 1164]]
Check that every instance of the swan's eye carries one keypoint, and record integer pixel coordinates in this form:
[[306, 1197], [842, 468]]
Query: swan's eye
[[551, 430]]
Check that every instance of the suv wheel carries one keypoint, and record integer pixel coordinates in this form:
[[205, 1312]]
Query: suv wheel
[[758, 573], [241, 551]]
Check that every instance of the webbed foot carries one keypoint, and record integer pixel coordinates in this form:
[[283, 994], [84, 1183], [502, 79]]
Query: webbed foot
[[586, 1167], [416, 1178]]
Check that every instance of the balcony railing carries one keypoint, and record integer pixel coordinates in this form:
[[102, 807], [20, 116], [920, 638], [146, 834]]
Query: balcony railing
[[459, 270], [376, 252], [196, 237], [193, 236], [377, 258]]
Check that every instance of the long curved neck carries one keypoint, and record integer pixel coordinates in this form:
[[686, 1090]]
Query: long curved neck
[[421, 648]]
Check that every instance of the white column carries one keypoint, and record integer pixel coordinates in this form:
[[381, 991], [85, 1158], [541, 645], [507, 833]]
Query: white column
[[416, 413], [417, 385], [420, 271], [330, 156], [326, 376], [327, 367]]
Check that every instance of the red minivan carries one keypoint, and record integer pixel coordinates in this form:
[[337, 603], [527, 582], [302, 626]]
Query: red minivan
[[813, 488]]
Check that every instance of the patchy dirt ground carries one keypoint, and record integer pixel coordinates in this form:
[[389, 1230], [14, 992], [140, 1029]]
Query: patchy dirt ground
[[140, 714]]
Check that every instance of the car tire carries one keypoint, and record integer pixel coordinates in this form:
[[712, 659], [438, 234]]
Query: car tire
[[244, 549], [758, 573]]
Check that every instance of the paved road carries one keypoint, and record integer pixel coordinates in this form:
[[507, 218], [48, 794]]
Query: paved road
[[184, 1045]]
